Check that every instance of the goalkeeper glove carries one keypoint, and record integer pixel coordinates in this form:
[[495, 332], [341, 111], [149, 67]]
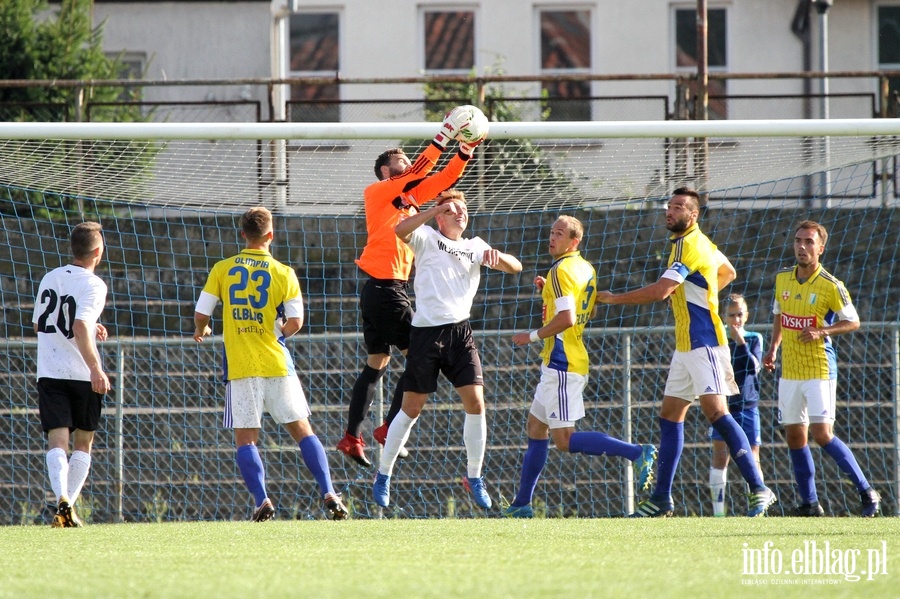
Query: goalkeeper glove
[[468, 148], [449, 128]]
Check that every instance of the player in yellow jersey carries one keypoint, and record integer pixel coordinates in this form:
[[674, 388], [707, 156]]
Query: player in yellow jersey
[[262, 306], [810, 307], [568, 293], [701, 365]]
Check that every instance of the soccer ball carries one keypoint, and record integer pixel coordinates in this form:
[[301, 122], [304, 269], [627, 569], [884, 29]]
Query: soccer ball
[[473, 125]]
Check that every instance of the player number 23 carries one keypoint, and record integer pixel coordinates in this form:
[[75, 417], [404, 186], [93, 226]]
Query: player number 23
[[252, 288]]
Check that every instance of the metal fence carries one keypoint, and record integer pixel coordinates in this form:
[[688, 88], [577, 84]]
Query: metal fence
[[162, 455]]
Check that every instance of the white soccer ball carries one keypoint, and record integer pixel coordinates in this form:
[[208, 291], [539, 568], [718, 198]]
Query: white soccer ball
[[473, 125]]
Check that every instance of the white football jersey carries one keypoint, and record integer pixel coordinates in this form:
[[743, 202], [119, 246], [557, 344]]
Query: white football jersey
[[66, 294], [447, 276]]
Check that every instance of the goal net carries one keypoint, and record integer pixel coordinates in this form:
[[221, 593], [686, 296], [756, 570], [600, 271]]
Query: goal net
[[168, 196]]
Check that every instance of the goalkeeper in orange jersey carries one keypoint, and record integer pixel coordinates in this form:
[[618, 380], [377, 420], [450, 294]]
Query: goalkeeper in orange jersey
[[402, 187], [262, 306]]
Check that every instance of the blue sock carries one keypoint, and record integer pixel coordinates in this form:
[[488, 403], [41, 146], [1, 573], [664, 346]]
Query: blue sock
[[594, 443], [739, 448], [252, 470], [671, 443], [532, 466], [841, 454], [804, 474], [314, 457]]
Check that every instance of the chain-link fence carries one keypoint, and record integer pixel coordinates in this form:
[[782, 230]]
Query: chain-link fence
[[161, 453]]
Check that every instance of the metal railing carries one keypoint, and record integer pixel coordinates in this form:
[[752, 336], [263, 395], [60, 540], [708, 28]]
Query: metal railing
[[619, 371]]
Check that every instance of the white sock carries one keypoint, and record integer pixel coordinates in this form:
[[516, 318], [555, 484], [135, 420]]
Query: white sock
[[398, 434], [475, 439], [58, 472], [79, 465], [717, 479]]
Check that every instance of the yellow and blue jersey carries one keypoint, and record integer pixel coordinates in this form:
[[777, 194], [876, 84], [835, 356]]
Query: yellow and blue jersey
[[571, 276], [693, 262], [815, 302], [254, 288]]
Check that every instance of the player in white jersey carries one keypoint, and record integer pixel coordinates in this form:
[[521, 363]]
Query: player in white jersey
[[263, 306], [448, 270], [70, 378]]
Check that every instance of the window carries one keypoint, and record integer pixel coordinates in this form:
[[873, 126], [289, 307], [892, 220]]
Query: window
[[314, 52], [716, 52], [449, 41], [889, 51], [130, 66], [566, 50]]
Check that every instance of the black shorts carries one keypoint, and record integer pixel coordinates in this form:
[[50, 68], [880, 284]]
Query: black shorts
[[386, 314], [449, 349], [68, 404]]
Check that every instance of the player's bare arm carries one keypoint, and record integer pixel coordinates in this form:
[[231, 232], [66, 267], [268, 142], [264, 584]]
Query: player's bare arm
[[501, 261], [771, 355], [726, 273], [559, 323], [291, 327], [405, 228], [810, 334], [201, 326], [85, 343], [655, 292]]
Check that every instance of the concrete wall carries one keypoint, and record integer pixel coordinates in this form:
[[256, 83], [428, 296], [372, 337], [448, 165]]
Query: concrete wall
[[156, 267]]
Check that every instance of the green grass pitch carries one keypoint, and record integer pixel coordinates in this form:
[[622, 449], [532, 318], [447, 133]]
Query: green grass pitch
[[393, 559]]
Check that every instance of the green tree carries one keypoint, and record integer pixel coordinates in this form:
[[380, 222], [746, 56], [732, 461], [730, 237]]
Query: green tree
[[63, 47], [61, 44]]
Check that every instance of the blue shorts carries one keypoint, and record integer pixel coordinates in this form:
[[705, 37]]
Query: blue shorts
[[748, 420]]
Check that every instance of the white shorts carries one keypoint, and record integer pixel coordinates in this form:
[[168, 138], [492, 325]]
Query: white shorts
[[702, 371], [246, 399], [558, 399], [802, 402]]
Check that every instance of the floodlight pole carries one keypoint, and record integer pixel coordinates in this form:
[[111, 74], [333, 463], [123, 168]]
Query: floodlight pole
[[279, 95], [702, 108], [822, 6]]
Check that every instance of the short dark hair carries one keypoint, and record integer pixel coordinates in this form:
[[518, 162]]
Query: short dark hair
[[812, 225], [690, 192], [576, 229], [256, 222], [84, 239], [384, 158]]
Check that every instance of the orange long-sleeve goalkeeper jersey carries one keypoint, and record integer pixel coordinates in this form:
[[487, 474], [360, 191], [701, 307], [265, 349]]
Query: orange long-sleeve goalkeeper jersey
[[389, 201]]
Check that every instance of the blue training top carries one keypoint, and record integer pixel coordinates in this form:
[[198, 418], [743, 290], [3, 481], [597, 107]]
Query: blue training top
[[746, 361]]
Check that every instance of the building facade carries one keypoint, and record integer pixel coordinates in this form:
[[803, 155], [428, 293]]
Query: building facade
[[366, 39]]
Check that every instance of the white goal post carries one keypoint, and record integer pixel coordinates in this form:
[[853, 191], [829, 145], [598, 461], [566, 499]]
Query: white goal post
[[319, 168], [499, 130]]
